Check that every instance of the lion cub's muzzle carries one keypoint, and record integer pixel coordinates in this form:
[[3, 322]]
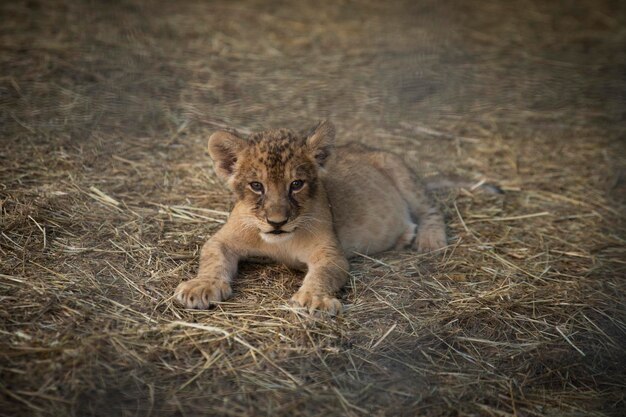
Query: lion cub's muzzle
[[277, 224]]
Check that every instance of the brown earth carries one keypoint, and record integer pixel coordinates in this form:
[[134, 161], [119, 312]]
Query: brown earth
[[106, 194]]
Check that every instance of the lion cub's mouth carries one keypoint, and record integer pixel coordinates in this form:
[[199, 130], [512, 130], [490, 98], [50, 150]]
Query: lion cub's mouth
[[278, 232], [276, 236]]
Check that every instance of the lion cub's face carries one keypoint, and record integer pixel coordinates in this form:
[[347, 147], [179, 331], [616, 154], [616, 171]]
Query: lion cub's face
[[275, 174]]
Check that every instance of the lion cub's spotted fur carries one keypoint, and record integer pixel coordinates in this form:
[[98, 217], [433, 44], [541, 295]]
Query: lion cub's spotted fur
[[305, 203]]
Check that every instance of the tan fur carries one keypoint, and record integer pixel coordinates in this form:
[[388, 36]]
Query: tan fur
[[353, 199]]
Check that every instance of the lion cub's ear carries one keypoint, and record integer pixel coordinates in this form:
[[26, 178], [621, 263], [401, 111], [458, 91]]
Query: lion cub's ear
[[224, 148], [321, 141]]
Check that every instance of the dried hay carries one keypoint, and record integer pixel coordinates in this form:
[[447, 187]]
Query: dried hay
[[106, 195]]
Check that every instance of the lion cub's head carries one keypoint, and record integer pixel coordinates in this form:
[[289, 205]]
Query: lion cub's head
[[275, 174]]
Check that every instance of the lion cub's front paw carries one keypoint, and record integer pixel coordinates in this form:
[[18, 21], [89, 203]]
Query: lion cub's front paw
[[430, 240], [317, 302], [201, 293]]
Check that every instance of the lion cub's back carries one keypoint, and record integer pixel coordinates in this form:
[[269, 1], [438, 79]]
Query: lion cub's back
[[369, 213]]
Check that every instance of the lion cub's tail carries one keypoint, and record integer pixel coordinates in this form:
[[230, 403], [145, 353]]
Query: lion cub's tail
[[444, 182]]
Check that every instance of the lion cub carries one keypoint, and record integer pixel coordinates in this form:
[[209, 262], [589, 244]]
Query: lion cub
[[307, 204]]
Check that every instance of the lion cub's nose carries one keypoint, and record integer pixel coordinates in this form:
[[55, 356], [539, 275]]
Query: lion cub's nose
[[276, 223]]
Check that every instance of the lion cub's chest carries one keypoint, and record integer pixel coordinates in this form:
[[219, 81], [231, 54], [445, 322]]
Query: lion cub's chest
[[291, 253]]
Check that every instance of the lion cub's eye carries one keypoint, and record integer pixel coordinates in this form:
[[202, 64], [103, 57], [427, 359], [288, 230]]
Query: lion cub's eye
[[256, 186], [296, 185]]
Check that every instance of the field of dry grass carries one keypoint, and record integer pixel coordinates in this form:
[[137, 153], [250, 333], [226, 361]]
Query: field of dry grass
[[107, 193]]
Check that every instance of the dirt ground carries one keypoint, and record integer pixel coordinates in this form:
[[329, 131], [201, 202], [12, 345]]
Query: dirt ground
[[107, 194]]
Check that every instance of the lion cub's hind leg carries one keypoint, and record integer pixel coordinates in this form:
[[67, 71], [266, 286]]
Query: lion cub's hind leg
[[431, 233], [407, 239]]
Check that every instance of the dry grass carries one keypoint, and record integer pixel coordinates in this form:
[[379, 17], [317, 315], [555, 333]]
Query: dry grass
[[106, 195]]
